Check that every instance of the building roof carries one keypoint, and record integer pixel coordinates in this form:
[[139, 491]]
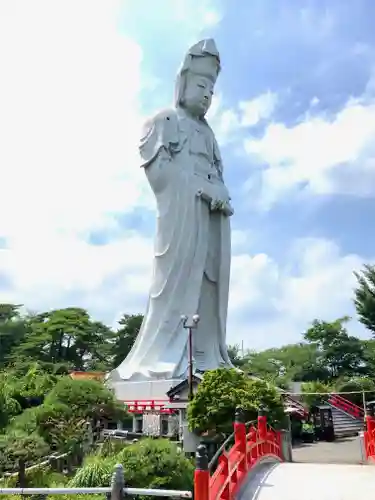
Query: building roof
[[173, 391], [87, 375]]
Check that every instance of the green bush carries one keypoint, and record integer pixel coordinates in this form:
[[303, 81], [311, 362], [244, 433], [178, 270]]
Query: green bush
[[357, 384], [86, 398], [315, 399], [156, 463], [17, 445], [60, 428], [96, 471], [8, 408], [148, 463], [25, 422], [221, 391]]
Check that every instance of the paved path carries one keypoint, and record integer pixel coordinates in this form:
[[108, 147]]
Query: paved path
[[296, 481], [342, 451]]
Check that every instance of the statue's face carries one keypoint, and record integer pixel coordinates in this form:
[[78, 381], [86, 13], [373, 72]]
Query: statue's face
[[198, 94]]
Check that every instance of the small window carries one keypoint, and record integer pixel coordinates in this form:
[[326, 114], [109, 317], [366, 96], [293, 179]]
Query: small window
[[164, 427], [138, 424]]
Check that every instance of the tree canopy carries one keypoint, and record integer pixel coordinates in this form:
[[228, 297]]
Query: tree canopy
[[222, 391], [63, 339]]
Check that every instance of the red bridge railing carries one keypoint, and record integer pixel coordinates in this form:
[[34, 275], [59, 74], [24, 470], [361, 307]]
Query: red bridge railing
[[343, 404], [251, 446], [369, 438]]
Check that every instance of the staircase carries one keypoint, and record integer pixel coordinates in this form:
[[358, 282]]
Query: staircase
[[348, 418], [297, 406]]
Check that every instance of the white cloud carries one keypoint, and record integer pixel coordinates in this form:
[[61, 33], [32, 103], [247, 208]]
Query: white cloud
[[108, 280], [228, 122], [272, 304], [260, 108], [327, 155], [69, 116], [69, 126]]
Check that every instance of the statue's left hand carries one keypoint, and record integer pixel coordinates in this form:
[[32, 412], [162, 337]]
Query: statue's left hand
[[222, 206]]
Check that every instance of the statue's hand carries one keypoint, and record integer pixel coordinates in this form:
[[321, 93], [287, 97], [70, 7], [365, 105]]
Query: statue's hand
[[216, 204], [223, 206]]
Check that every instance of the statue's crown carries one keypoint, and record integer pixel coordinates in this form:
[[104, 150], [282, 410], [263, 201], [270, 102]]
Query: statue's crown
[[203, 59]]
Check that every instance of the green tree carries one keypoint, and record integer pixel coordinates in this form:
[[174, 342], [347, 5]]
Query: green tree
[[293, 362], [235, 355], [311, 399], [125, 336], [18, 446], [64, 337], [221, 391], [341, 353], [13, 328], [357, 385], [85, 398], [9, 406], [61, 428], [364, 297], [369, 355]]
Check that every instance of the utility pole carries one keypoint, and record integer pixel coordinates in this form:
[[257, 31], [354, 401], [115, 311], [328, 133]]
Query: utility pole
[[190, 326]]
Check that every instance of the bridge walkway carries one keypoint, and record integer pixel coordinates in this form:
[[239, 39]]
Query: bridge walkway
[[342, 451], [307, 481]]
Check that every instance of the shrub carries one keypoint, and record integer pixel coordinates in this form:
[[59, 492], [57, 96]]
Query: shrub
[[315, 399], [96, 471], [148, 464], [61, 429], [17, 445], [8, 408], [221, 391], [85, 398], [357, 384], [26, 422]]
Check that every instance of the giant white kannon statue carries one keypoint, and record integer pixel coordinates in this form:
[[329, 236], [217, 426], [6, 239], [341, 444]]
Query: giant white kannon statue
[[192, 254]]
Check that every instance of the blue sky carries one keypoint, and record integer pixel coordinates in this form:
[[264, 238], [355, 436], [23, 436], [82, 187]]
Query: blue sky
[[294, 113]]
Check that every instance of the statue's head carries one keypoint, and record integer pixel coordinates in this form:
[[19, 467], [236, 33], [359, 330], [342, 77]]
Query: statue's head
[[197, 77]]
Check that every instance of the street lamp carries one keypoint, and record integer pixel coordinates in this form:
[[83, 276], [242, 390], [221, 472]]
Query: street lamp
[[190, 325]]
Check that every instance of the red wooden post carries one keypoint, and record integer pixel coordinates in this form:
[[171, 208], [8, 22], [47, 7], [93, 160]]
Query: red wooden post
[[262, 424], [370, 428], [370, 423], [201, 474], [262, 429], [278, 445], [253, 449], [224, 464], [240, 440]]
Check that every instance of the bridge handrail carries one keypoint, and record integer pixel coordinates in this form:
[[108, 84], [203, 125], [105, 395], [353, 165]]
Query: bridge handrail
[[116, 491], [94, 491], [344, 404], [249, 448], [369, 438], [224, 445]]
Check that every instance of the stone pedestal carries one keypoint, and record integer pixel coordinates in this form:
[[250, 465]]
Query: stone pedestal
[[148, 390]]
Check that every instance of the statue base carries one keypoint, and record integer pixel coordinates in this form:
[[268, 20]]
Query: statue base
[[147, 390]]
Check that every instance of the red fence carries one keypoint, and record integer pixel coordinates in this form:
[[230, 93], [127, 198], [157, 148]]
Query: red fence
[[250, 447], [343, 404]]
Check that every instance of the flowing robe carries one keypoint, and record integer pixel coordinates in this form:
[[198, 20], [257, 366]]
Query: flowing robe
[[192, 252]]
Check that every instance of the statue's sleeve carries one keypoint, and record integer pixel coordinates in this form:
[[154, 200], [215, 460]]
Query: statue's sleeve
[[217, 159], [159, 133]]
